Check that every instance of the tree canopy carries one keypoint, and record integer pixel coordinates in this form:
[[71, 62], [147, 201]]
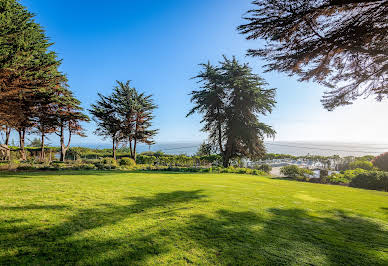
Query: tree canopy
[[339, 43]]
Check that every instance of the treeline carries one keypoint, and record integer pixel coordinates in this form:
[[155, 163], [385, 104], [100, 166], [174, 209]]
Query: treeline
[[34, 94]]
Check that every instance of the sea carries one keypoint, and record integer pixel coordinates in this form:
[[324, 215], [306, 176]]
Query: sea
[[296, 148]]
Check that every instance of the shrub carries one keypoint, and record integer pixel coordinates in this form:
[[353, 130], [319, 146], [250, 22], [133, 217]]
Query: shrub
[[376, 180], [381, 161], [366, 165], [264, 167], [127, 162], [295, 172], [335, 178], [344, 177], [106, 164], [323, 173]]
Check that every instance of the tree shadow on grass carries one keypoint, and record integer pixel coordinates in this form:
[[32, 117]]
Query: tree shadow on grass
[[64, 243], [290, 236]]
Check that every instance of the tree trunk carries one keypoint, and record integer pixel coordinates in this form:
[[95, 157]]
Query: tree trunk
[[22, 133], [219, 129], [134, 150], [42, 153], [114, 147], [7, 134], [225, 161], [64, 147], [130, 148], [226, 155], [62, 143]]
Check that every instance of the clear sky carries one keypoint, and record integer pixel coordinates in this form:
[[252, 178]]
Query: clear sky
[[159, 44]]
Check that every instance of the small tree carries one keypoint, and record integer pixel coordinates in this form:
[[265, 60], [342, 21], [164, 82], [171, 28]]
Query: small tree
[[381, 161]]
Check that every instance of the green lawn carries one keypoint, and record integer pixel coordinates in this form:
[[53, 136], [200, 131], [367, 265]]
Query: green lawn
[[169, 218]]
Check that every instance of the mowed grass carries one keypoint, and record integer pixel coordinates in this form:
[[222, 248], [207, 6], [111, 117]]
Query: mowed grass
[[56, 218]]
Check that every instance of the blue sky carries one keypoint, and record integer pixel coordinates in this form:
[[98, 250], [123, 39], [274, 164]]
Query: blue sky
[[159, 44]]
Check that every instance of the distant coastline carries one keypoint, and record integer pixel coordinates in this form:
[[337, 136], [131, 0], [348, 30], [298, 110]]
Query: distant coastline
[[296, 148]]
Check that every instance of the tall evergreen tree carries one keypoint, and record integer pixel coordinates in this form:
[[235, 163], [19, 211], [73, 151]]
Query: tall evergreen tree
[[27, 68], [230, 99]]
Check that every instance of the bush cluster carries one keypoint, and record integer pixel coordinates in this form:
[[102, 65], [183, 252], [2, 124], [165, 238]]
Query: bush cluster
[[376, 180], [296, 173]]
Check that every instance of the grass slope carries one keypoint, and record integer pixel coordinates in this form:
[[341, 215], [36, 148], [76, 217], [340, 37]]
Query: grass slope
[[168, 218]]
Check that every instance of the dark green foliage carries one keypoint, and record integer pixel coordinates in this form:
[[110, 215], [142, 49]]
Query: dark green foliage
[[323, 173], [230, 99], [376, 180], [341, 44]]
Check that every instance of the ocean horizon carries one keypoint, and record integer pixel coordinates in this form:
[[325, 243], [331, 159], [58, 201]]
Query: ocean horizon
[[296, 148]]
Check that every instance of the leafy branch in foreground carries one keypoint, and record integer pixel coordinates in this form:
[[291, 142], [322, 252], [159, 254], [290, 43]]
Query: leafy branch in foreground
[[339, 43]]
